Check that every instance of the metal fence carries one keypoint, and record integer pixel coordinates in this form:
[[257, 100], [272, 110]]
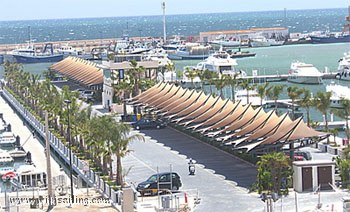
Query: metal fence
[[91, 178]]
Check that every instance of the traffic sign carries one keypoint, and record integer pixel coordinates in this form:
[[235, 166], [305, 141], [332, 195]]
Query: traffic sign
[[8, 175]]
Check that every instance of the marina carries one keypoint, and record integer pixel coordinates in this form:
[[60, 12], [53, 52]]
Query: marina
[[227, 93]]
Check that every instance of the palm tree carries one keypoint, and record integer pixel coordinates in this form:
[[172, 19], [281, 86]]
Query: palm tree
[[123, 88], [294, 93], [344, 113], [263, 91], [135, 76], [275, 92], [233, 82], [169, 67], [322, 103], [246, 85], [220, 83], [191, 73], [306, 102]]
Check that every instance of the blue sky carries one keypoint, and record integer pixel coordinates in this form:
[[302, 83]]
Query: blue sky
[[49, 9]]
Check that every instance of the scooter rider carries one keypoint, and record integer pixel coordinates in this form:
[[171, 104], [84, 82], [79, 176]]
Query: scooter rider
[[191, 167]]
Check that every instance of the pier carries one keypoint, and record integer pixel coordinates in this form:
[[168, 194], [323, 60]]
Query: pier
[[281, 77]]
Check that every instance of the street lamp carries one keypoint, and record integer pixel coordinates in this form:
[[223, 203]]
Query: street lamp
[[70, 152]]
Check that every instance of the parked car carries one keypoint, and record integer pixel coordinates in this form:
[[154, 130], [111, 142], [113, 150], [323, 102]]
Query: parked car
[[305, 154], [87, 95], [148, 124], [150, 186]]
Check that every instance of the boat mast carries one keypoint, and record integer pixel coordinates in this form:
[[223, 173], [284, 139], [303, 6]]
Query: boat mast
[[164, 26]]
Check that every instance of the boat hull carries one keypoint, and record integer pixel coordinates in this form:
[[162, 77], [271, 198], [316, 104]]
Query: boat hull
[[305, 79], [320, 40], [240, 55], [38, 59], [187, 57], [343, 75]]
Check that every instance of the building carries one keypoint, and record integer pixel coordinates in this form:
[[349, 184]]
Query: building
[[278, 33], [114, 72]]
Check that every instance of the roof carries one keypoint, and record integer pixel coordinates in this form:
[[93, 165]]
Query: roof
[[251, 30], [80, 70], [239, 125]]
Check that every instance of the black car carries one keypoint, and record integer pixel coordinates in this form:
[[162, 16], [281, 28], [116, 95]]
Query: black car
[[148, 124], [150, 186]]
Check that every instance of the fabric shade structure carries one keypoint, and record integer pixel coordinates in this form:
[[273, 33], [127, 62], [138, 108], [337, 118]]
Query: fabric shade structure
[[228, 108], [82, 71], [241, 126], [143, 95], [173, 104], [236, 114], [207, 105], [187, 109], [220, 104]]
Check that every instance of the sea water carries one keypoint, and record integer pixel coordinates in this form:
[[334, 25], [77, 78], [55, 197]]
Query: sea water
[[188, 25]]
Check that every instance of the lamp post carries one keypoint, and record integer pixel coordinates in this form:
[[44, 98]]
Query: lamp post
[[70, 152]]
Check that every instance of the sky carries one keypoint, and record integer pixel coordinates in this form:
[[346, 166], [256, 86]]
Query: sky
[[58, 9]]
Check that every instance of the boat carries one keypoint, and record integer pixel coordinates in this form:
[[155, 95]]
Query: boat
[[7, 139], [274, 42], [304, 74], [241, 54], [18, 152], [6, 162], [174, 44], [190, 52], [330, 38], [30, 176], [339, 92], [67, 50], [344, 68], [259, 41], [334, 37], [220, 62], [221, 41], [29, 55]]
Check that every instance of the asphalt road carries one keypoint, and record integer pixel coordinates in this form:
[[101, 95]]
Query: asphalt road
[[217, 172]]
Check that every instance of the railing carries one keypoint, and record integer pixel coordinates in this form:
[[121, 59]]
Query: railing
[[91, 178]]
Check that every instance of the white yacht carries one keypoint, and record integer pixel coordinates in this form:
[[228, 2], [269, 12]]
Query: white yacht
[[304, 73], [344, 67], [6, 162], [339, 92], [220, 62], [7, 139]]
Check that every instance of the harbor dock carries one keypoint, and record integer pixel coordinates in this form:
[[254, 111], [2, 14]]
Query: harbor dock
[[280, 77]]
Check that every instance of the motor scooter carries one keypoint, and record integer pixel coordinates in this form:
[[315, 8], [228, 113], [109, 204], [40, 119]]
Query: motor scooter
[[191, 167]]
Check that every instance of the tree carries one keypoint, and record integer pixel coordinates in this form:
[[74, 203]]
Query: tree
[[191, 74], [306, 102], [273, 168], [275, 92], [220, 83], [263, 91], [344, 113], [123, 88], [294, 93], [322, 103], [247, 86], [233, 82], [169, 67], [135, 76]]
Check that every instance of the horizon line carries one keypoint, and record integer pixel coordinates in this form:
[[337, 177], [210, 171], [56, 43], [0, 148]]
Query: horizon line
[[199, 13]]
